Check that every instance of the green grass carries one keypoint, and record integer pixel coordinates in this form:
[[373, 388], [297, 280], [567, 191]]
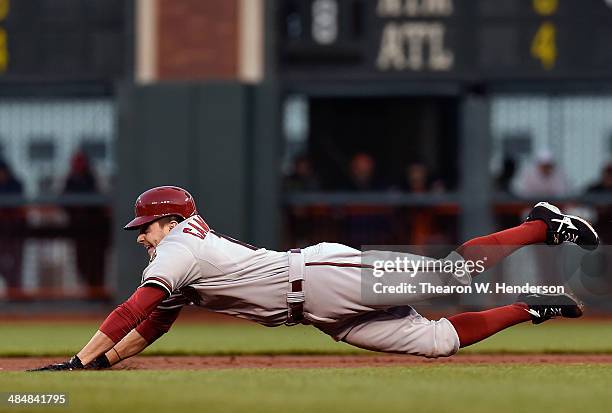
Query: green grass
[[30, 339], [453, 388], [439, 388], [192, 339]]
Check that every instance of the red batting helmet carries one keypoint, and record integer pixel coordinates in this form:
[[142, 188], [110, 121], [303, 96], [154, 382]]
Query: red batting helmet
[[160, 202]]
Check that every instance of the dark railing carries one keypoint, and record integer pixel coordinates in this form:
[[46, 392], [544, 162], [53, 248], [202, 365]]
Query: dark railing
[[401, 218]]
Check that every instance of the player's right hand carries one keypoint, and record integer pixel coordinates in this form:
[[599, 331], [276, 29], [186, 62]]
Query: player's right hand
[[73, 364]]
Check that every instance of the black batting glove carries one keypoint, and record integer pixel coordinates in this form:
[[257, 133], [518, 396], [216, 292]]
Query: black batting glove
[[73, 364], [99, 363]]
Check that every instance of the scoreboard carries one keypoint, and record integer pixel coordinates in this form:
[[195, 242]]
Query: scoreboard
[[463, 40], [64, 40]]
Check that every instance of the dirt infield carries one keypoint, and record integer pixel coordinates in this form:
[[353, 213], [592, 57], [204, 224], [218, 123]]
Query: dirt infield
[[225, 362]]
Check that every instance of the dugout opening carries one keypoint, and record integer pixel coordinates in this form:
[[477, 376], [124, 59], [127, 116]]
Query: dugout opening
[[396, 132]]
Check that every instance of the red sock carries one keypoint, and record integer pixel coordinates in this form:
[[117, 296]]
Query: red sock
[[499, 245], [474, 327]]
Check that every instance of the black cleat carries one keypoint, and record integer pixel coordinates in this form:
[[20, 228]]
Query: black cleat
[[543, 307], [564, 228]]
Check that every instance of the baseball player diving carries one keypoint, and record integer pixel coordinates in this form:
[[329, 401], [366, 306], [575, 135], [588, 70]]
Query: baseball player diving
[[190, 263]]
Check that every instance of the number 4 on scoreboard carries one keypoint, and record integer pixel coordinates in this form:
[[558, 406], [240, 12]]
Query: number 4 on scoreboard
[[544, 45]]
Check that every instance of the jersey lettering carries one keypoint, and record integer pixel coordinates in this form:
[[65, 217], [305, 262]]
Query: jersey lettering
[[199, 225]]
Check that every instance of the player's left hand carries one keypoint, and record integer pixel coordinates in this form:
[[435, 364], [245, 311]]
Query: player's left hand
[[73, 364], [99, 363]]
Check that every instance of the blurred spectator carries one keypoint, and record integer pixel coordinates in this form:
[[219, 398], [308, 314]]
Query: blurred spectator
[[362, 173], [542, 177], [80, 179], [89, 226], [503, 181], [605, 183], [365, 224], [12, 234], [302, 178], [8, 183], [419, 223], [418, 180]]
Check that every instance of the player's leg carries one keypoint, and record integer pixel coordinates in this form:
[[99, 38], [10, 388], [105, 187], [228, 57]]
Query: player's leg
[[403, 330], [473, 327], [545, 223], [397, 330]]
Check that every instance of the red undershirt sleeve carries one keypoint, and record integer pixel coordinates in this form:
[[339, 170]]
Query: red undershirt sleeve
[[132, 312], [158, 323]]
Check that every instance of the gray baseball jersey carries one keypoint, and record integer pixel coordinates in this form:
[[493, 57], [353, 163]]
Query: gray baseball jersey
[[220, 273], [200, 266]]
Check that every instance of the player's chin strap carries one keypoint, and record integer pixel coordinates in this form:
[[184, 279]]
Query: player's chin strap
[[295, 294]]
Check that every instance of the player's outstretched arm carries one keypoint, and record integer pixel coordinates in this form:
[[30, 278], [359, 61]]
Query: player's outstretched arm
[[99, 343], [116, 326], [129, 346], [156, 325]]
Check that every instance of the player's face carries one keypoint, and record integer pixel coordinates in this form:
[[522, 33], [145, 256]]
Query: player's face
[[151, 235]]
